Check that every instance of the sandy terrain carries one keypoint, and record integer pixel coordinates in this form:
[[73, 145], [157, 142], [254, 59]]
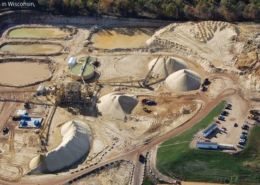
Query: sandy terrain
[[19, 146], [123, 67], [113, 175], [195, 36]]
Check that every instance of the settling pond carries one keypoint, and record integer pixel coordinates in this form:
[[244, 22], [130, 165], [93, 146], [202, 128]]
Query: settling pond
[[18, 73], [31, 48], [38, 33], [121, 38]]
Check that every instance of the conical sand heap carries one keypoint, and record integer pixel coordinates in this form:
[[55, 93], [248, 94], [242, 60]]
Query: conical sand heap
[[183, 80], [74, 146], [164, 67], [117, 106]]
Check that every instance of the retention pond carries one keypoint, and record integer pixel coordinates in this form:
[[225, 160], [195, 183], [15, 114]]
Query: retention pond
[[30, 48], [19, 73], [39, 33], [121, 38]]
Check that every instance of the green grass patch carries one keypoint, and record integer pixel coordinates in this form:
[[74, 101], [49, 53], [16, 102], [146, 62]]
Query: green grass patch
[[176, 159], [147, 181]]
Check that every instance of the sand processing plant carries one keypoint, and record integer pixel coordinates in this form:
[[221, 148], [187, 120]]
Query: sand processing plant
[[127, 101]]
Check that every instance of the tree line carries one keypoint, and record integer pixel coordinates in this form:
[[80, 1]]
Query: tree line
[[229, 10]]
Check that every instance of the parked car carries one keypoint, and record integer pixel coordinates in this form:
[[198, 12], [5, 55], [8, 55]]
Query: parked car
[[228, 106], [242, 136], [255, 112], [204, 88], [224, 128], [225, 113], [222, 118], [242, 142], [5, 130], [149, 102], [142, 159], [244, 132], [27, 105], [245, 127], [206, 82]]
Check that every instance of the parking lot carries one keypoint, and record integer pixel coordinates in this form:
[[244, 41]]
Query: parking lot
[[233, 125]]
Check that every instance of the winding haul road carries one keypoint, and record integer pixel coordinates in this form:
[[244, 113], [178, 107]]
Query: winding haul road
[[130, 154]]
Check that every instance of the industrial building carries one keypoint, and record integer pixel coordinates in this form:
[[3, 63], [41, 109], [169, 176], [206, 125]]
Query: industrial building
[[70, 93], [210, 129], [207, 145], [28, 122], [214, 146]]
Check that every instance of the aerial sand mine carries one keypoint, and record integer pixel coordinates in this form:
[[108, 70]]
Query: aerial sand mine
[[91, 96]]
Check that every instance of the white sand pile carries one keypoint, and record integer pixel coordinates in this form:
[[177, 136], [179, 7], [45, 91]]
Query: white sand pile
[[183, 80], [164, 67], [74, 146], [117, 105]]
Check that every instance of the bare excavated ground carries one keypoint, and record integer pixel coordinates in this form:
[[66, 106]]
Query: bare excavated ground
[[210, 49]]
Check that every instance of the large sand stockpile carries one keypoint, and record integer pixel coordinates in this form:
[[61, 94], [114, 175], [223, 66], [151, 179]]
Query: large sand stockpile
[[183, 80], [164, 67], [117, 105], [74, 146]]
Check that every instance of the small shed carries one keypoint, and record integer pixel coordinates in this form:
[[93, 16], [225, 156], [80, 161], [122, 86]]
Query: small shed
[[21, 112], [72, 62], [224, 146], [41, 90], [207, 145]]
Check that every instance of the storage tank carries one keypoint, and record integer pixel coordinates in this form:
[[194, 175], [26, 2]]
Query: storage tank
[[83, 69]]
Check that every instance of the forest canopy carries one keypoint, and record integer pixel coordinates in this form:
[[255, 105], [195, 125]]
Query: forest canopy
[[229, 10]]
